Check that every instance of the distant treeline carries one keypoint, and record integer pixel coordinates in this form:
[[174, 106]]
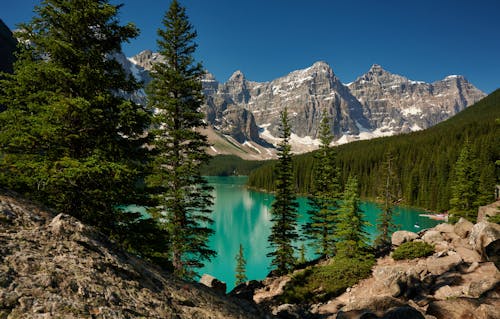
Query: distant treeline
[[227, 165], [424, 160]]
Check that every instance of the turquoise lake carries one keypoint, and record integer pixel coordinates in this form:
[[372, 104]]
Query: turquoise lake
[[242, 216]]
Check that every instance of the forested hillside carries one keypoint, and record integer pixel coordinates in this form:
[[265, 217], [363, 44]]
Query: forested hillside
[[425, 160], [225, 165]]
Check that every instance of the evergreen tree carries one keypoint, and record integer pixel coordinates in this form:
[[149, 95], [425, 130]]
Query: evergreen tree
[[183, 195], [284, 208], [325, 195], [389, 193], [464, 185], [302, 255], [68, 138], [241, 277], [352, 239]]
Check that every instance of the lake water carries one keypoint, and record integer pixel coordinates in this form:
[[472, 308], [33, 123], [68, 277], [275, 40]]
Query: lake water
[[242, 216]]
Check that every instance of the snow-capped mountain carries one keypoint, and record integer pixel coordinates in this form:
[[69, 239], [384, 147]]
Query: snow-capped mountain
[[245, 114], [394, 104]]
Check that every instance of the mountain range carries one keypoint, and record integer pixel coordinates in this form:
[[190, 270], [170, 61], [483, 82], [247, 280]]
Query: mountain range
[[243, 115]]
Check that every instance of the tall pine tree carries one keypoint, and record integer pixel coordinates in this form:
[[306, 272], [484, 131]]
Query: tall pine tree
[[352, 238], [464, 185], [241, 277], [389, 193], [183, 195], [68, 138], [325, 195], [284, 208]]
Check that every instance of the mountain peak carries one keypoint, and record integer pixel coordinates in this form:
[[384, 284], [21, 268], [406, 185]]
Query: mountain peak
[[237, 76], [321, 65], [454, 77], [377, 69]]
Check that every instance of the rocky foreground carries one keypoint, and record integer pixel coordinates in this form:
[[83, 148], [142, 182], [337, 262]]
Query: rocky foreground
[[461, 280], [56, 267]]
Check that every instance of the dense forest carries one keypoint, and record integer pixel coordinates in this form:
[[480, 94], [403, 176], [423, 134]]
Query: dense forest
[[227, 165], [424, 161]]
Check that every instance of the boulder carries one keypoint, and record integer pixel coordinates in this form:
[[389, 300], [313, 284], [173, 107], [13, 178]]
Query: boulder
[[483, 234], [432, 237], [455, 308], [463, 227], [246, 290], [289, 311], [488, 211], [402, 236], [214, 283], [445, 228], [492, 252], [468, 255], [405, 312], [375, 304], [445, 292], [440, 265], [64, 225], [488, 311]]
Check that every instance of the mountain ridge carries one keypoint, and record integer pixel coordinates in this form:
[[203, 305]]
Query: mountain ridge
[[378, 103]]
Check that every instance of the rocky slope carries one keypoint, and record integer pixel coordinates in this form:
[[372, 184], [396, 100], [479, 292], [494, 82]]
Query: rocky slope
[[56, 267], [460, 280], [245, 114]]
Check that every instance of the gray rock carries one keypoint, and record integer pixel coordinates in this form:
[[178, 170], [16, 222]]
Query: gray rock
[[402, 236], [455, 308], [445, 228], [214, 283], [463, 227], [483, 234], [468, 255], [486, 212], [440, 265], [432, 237]]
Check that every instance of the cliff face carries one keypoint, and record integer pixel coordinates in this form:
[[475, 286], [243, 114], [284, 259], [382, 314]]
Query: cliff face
[[57, 267]]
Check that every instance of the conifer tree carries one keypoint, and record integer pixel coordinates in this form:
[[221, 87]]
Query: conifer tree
[[352, 239], [183, 195], [464, 185], [388, 193], [68, 138], [241, 276], [302, 255], [325, 195], [284, 208]]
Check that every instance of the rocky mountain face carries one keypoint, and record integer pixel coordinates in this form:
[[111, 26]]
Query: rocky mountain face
[[56, 267], [394, 104], [379, 103]]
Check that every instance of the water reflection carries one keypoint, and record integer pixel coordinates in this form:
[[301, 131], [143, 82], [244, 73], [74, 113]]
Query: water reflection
[[243, 217]]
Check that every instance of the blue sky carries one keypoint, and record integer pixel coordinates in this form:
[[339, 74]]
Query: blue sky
[[423, 40]]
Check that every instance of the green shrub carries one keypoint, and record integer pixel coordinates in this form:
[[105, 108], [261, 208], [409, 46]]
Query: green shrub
[[412, 250], [321, 283], [495, 218]]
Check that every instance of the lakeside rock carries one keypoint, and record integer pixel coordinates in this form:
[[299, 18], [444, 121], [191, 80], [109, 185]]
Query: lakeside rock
[[460, 280]]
